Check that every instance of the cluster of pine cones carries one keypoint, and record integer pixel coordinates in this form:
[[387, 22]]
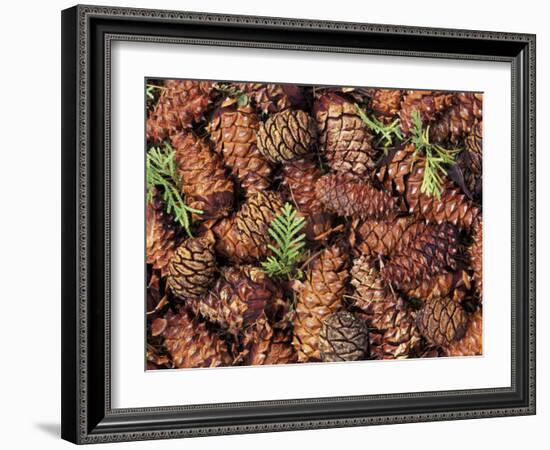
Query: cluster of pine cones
[[389, 271]]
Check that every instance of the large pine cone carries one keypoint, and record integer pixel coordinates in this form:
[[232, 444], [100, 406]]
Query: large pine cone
[[344, 138], [182, 103], [204, 182], [343, 337], [234, 130], [299, 177], [286, 135], [427, 255], [163, 235], [476, 256], [190, 343], [471, 343], [455, 285], [272, 98], [393, 331], [239, 297], [380, 237], [457, 121], [192, 268], [429, 104], [442, 321], [320, 295], [385, 103], [265, 344], [347, 197]]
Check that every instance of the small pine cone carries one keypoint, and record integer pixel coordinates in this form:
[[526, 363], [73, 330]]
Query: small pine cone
[[239, 297], [344, 138], [475, 252], [231, 244], [181, 104], [204, 182], [286, 135], [190, 343], [266, 344], [454, 285], [345, 196], [457, 121], [163, 235], [234, 130], [393, 333], [471, 343], [343, 337], [429, 104], [320, 295], [470, 160], [299, 177], [272, 98], [381, 237], [393, 175], [427, 255], [385, 103], [192, 268], [442, 321]]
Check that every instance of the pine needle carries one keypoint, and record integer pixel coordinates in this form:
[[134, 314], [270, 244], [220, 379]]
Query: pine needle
[[388, 134], [285, 231], [162, 173]]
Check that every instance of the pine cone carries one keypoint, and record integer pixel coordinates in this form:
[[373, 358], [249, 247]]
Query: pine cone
[[385, 103], [426, 256], [273, 98], [320, 295], [344, 138], [299, 177], [182, 103], [231, 244], [471, 343], [346, 197], [190, 343], [286, 135], [192, 268], [163, 234], [476, 256], [457, 121], [343, 337], [239, 297], [429, 104], [393, 333], [204, 182], [454, 285], [380, 237], [442, 321], [234, 130], [470, 160], [266, 344]]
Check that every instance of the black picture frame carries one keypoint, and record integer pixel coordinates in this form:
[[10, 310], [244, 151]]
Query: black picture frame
[[87, 33]]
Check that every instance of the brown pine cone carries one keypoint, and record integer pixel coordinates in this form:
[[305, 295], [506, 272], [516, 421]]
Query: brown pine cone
[[457, 121], [163, 234], [442, 321], [385, 103], [380, 237], [345, 196], [234, 130], [272, 98], [429, 104], [393, 175], [426, 256], [344, 138], [393, 331], [299, 177], [231, 244], [181, 104], [190, 343], [239, 297], [266, 344], [286, 135], [471, 343], [192, 268], [320, 295], [475, 252], [343, 337], [454, 285], [470, 160], [204, 182]]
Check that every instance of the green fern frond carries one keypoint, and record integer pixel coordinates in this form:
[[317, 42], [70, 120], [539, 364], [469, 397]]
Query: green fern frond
[[388, 134], [285, 230], [162, 173]]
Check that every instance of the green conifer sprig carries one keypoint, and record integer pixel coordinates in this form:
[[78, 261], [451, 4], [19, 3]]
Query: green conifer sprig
[[162, 173], [232, 92], [388, 134], [285, 231]]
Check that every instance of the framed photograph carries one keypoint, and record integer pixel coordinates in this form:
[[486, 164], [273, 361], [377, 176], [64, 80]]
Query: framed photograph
[[282, 224]]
